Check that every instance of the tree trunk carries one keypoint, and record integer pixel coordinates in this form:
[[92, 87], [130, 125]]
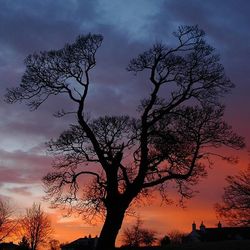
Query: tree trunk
[[111, 228]]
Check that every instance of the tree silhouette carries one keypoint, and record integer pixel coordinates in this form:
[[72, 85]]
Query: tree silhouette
[[54, 245], [7, 223], [176, 237], [165, 241], [136, 235], [24, 244], [36, 226], [168, 141], [235, 206]]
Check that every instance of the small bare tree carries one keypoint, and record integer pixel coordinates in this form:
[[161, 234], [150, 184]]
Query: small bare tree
[[136, 235], [176, 236], [7, 223], [54, 244], [36, 226], [235, 206]]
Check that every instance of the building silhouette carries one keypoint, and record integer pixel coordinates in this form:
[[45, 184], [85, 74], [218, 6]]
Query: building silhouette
[[8, 246], [86, 243], [218, 233]]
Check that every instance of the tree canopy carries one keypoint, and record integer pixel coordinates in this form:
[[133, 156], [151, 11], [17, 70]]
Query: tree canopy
[[235, 205], [7, 223], [36, 226], [169, 140]]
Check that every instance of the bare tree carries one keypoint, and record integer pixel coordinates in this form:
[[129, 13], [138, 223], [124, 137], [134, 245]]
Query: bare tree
[[235, 206], [54, 244], [176, 236], [148, 237], [165, 241], [136, 235], [170, 140], [7, 223], [36, 226]]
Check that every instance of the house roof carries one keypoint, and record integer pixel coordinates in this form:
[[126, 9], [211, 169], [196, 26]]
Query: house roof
[[224, 233], [9, 245], [81, 243]]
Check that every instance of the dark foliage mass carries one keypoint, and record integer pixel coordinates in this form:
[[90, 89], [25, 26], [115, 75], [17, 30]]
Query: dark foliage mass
[[235, 205], [169, 140]]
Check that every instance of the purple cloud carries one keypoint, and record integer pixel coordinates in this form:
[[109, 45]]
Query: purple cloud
[[23, 167]]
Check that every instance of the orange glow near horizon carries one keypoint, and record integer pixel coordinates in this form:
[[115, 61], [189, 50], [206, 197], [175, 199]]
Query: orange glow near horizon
[[161, 219]]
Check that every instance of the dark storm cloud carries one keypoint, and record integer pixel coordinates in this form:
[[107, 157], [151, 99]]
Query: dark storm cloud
[[37, 25], [225, 23], [29, 26]]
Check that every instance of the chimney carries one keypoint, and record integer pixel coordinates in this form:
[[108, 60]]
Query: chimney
[[193, 226], [202, 227], [219, 225]]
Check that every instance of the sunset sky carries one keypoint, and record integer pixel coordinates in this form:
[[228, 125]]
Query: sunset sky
[[129, 27]]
